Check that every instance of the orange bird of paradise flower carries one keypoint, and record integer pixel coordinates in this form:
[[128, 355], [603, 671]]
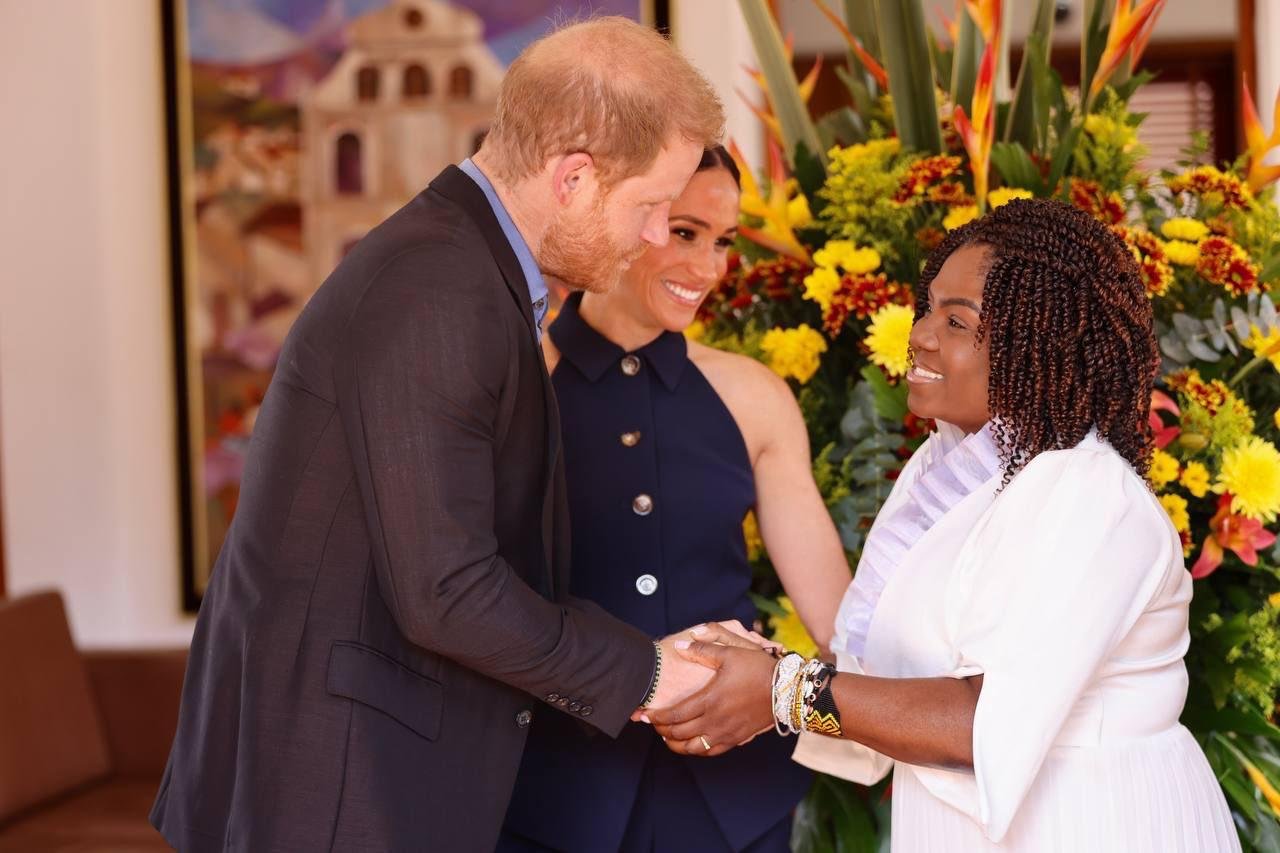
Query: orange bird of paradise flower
[[765, 112], [777, 233], [875, 69], [1260, 174], [1244, 536], [1130, 28], [979, 133]]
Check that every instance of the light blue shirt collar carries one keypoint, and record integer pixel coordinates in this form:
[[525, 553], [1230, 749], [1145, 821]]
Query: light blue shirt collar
[[532, 275]]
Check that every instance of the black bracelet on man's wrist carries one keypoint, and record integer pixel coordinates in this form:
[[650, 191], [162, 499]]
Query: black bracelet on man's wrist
[[657, 673]]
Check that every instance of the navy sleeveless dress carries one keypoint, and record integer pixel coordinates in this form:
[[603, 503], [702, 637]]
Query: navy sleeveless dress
[[659, 482]]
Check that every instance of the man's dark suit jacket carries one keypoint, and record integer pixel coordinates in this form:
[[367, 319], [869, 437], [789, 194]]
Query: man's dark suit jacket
[[392, 593]]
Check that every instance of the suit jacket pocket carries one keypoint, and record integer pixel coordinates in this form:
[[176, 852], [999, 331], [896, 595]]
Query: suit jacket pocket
[[369, 677]]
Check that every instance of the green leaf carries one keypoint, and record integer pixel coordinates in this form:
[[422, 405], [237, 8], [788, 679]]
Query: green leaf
[[1202, 718], [863, 101], [910, 67], [1035, 57], [965, 57], [1095, 23], [942, 61], [890, 401], [1062, 157], [1016, 167], [855, 831], [780, 79], [1125, 90], [768, 605], [860, 16]]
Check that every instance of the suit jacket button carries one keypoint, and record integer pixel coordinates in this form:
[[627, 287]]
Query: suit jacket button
[[551, 697], [586, 710], [524, 718], [562, 701], [630, 365], [646, 584], [575, 707], [630, 439], [642, 505]]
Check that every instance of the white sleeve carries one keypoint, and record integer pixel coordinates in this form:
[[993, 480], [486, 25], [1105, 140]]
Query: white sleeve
[[1058, 574]]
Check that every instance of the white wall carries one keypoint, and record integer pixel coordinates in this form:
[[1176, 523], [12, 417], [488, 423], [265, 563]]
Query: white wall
[[86, 384], [715, 38], [1266, 38]]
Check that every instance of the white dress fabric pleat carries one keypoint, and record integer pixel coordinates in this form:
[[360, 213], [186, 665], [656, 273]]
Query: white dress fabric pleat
[[1067, 591]]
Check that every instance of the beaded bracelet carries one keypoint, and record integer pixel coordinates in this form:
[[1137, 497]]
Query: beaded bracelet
[[785, 685]]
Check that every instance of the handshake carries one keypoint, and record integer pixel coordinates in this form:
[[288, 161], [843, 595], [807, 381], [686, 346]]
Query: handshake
[[714, 689]]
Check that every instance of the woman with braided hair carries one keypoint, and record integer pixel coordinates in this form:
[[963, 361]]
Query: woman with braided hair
[[1012, 642]]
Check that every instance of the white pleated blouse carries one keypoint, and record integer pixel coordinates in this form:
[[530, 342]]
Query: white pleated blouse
[[1067, 591]]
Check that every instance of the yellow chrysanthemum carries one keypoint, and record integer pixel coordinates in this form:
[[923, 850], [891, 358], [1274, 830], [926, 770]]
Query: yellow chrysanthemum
[[876, 148], [833, 253], [751, 535], [1184, 228], [1182, 253], [695, 331], [1164, 469], [888, 338], [1004, 195], [1176, 507], [820, 285], [790, 631], [1265, 346], [794, 352], [861, 261], [1195, 479], [960, 215], [1251, 473]]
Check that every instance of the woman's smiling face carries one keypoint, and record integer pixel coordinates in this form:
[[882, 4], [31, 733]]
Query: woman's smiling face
[[951, 370]]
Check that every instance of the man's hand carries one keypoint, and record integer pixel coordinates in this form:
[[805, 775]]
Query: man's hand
[[682, 676], [734, 707]]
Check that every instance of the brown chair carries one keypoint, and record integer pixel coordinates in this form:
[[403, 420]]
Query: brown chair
[[83, 736]]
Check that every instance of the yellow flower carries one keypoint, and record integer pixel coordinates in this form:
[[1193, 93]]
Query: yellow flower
[[861, 261], [1251, 473], [1176, 507], [888, 338], [1164, 469], [751, 536], [1277, 418], [1274, 599], [1184, 228], [1195, 479], [695, 331], [820, 285], [876, 148], [798, 212], [794, 352], [960, 215], [1265, 346], [1004, 195], [790, 631], [1108, 131], [1182, 253], [833, 253], [1268, 790]]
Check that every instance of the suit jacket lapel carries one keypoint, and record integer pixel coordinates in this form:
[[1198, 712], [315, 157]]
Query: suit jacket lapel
[[455, 185]]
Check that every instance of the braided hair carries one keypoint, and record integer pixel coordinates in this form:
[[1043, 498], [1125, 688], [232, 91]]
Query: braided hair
[[1069, 329]]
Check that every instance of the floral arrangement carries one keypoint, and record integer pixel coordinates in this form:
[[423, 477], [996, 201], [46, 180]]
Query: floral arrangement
[[834, 236]]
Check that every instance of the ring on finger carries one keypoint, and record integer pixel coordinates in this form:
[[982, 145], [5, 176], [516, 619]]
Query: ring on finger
[[706, 744]]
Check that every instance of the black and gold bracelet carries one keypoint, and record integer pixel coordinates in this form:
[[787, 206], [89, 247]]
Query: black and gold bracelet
[[657, 674], [821, 714]]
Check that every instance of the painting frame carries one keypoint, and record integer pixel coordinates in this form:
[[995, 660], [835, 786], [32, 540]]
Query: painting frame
[[198, 543]]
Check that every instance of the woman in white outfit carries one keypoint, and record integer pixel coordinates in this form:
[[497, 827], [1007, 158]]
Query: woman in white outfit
[[1012, 642]]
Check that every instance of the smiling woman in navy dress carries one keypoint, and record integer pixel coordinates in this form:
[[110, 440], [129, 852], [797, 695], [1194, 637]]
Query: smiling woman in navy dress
[[668, 445]]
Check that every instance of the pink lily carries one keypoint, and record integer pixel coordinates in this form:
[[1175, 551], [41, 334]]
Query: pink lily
[[1243, 536]]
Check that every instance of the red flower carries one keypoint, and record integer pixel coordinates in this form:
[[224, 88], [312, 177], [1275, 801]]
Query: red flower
[[1243, 536]]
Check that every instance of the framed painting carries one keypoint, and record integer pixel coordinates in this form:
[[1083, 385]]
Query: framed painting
[[295, 126]]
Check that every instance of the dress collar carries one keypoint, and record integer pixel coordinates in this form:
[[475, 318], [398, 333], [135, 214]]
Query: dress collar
[[593, 354]]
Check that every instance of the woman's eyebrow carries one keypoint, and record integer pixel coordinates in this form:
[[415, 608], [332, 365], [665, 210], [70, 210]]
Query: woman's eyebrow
[[968, 303], [693, 219]]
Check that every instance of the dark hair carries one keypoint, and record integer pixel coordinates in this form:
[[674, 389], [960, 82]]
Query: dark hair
[[1069, 327], [719, 158]]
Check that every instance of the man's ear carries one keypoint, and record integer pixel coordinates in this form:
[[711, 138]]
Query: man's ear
[[573, 174]]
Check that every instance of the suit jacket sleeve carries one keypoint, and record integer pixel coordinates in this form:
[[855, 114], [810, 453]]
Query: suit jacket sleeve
[[419, 373]]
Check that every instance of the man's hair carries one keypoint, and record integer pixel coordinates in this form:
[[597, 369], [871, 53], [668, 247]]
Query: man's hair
[[1070, 329], [608, 87]]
